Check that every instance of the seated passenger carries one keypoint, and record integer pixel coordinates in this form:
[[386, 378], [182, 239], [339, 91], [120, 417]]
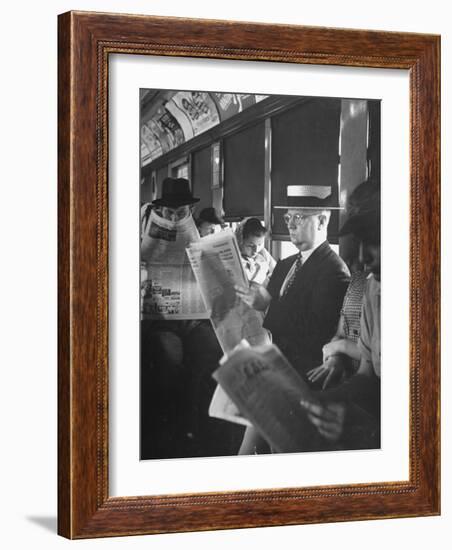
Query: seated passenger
[[177, 358], [305, 292], [304, 295], [208, 221], [350, 413], [341, 356], [257, 261]]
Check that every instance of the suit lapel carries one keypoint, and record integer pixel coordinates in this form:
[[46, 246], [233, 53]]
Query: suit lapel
[[309, 269]]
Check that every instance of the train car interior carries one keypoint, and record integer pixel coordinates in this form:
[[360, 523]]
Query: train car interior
[[240, 153]]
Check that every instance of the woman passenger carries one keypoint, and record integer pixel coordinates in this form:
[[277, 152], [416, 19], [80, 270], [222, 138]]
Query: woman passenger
[[257, 261]]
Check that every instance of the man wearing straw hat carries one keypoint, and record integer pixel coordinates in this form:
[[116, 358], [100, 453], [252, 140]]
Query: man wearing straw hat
[[306, 290]]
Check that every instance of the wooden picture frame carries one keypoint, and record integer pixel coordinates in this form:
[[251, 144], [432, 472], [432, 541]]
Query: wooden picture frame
[[86, 40]]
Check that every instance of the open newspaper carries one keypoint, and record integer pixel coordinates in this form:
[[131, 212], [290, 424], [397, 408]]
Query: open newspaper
[[168, 286], [267, 391], [218, 268]]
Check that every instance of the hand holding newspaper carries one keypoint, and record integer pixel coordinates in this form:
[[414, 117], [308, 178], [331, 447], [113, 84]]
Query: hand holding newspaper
[[164, 241], [218, 269], [267, 391], [222, 405]]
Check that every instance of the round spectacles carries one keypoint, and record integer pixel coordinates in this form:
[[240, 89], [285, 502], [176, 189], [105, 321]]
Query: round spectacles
[[175, 214], [297, 219]]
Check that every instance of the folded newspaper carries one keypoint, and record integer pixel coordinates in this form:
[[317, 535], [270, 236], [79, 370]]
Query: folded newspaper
[[168, 287], [267, 391]]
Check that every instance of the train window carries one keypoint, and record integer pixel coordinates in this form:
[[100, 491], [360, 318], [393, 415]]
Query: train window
[[305, 149], [283, 249], [180, 168], [182, 171], [216, 165], [244, 164], [240, 153], [201, 177]]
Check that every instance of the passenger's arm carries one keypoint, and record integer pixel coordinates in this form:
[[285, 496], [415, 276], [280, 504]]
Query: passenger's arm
[[256, 296], [363, 388], [341, 345], [329, 414], [326, 305]]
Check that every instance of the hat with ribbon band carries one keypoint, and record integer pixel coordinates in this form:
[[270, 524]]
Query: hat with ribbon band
[[318, 197]]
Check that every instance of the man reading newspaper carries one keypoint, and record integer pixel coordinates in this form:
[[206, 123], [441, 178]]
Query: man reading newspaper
[[178, 344], [305, 292], [218, 269], [269, 392]]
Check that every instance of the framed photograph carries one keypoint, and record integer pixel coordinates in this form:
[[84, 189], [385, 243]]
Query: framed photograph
[[248, 226]]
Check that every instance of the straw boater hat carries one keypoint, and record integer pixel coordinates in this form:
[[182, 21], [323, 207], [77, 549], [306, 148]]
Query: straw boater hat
[[315, 197], [175, 192]]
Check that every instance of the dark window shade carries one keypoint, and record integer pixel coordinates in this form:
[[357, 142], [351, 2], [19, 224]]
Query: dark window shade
[[333, 227], [202, 178], [146, 189], [374, 151], [162, 173], [305, 147], [244, 155], [305, 151]]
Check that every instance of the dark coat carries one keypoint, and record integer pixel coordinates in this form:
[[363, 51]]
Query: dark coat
[[305, 319]]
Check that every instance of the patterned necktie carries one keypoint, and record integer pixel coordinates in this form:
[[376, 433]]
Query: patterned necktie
[[290, 282]]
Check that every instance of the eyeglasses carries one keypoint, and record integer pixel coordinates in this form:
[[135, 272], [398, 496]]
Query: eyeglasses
[[297, 219], [176, 214]]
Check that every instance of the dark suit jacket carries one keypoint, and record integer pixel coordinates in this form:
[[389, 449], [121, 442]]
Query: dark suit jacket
[[306, 318]]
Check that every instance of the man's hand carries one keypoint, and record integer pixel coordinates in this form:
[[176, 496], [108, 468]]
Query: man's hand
[[328, 418], [331, 372], [255, 296], [341, 346], [332, 348]]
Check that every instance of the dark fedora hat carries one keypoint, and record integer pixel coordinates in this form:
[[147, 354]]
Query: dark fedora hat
[[319, 197], [175, 192], [365, 226], [210, 215], [363, 208]]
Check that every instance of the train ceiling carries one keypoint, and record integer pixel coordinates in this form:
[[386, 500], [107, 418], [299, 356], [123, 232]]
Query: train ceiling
[[170, 118]]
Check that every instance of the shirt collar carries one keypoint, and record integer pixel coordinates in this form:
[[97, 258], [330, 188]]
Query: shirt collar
[[306, 253]]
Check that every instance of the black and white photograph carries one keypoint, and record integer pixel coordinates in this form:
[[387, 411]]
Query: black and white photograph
[[259, 273], [198, 352]]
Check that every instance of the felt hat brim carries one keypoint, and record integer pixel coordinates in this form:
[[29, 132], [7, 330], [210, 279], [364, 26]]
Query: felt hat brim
[[175, 202]]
